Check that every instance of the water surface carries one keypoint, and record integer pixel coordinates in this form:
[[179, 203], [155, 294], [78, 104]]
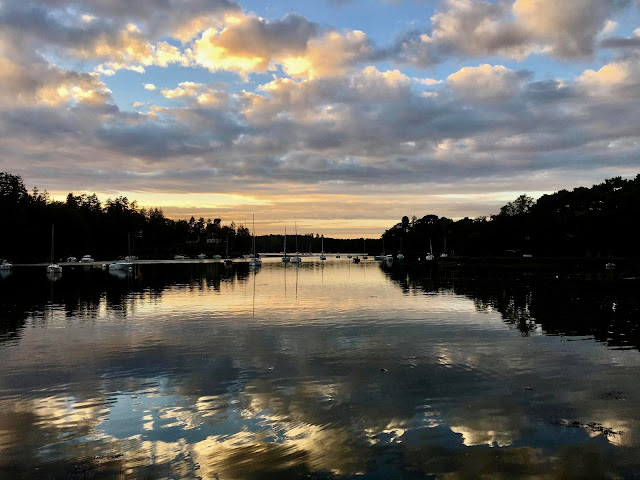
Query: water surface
[[327, 370]]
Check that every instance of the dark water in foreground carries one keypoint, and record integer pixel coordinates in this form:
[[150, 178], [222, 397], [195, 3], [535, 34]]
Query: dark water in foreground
[[322, 371]]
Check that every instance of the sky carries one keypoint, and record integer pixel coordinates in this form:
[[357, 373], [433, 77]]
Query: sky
[[340, 116]]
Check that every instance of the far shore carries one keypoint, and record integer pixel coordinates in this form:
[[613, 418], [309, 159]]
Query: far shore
[[414, 260]]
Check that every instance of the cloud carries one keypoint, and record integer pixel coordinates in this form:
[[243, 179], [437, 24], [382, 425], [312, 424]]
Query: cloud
[[185, 89], [615, 80], [120, 34], [610, 75], [334, 111], [485, 82], [329, 55], [249, 44], [28, 79], [198, 93], [474, 28], [568, 28], [622, 42], [477, 28]]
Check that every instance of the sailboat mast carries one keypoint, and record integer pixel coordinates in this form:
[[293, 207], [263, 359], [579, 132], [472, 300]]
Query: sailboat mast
[[52, 230], [254, 234]]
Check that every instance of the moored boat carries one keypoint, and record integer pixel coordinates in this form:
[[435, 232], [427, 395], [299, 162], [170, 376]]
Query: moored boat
[[255, 261], [297, 258], [285, 258], [53, 267], [121, 264]]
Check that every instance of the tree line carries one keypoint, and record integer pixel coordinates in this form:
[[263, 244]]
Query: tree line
[[595, 221], [583, 222], [85, 225]]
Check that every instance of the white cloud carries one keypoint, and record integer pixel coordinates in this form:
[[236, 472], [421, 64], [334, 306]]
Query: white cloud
[[485, 82]]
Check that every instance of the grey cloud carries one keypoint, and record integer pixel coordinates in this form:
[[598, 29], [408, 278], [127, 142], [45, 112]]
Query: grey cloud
[[481, 28], [621, 42], [34, 22], [154, 141], [408, 48], [547, 91], [375, 138], [155, 16], [291, 33]]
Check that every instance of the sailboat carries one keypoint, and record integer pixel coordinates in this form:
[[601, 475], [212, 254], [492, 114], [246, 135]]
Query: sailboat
[[255, 259], [322, 255], [124, 263], [400, 256], [227, 259], [429, 256], [179, 256], [130, 256], [297, 258], [53, 267], [381, 256], [285, 259], [444, 254], [365, 256]]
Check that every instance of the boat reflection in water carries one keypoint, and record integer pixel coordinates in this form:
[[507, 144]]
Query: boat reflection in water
[[201, 371]]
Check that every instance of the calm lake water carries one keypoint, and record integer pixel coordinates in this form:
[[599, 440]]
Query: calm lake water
[[331, 370]]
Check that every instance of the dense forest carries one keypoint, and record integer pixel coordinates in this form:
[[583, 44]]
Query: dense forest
[[584, 222], [85, 225], [595, 221]]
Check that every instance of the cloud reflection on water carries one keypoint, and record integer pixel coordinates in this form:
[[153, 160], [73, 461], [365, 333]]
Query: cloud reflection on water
[[190, 375]]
